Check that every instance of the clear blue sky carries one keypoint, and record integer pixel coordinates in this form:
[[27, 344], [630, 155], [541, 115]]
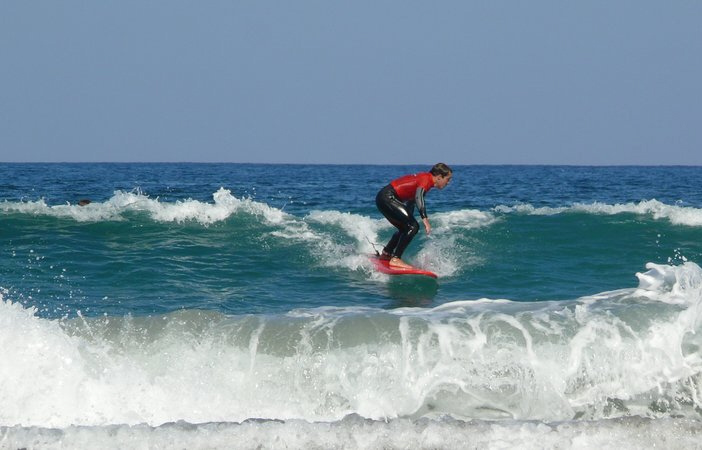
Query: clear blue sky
[[362, 82]]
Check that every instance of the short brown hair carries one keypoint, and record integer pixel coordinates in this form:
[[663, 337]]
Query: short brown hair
[[441, 169]]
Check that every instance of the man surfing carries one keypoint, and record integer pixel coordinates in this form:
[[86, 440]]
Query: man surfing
[[397, 201]]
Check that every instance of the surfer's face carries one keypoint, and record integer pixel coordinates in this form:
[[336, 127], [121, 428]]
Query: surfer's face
[[442, 181]]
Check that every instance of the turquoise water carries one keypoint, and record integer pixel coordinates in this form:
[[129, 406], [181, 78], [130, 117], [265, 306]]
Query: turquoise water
[[217, 293]]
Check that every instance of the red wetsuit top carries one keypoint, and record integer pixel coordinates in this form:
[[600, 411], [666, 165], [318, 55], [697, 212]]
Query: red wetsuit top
[[406, 187], [413, 188]]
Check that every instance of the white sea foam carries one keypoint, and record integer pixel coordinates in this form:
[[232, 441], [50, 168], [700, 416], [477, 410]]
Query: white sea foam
[[349, 249], [631, 352], [676, 214], [355, 433], [440, 253], [225, 204], [464, 219]]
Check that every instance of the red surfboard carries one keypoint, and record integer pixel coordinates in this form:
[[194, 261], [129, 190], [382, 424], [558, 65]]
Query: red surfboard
[[383, 265]]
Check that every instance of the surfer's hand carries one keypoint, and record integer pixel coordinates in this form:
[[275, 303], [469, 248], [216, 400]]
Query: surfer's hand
[[427, 225]]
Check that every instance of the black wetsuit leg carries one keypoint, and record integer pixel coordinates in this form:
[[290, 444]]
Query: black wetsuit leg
[[400, 215]]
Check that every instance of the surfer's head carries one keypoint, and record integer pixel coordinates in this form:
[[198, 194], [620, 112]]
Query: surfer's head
[[441, 169], [442, 175]]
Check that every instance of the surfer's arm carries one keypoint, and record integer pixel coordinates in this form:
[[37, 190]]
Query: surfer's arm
[[419, 201]]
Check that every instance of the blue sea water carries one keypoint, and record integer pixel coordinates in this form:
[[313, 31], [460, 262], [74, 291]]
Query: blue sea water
[[192, 304]]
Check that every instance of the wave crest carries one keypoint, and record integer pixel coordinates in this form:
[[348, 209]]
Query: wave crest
[[620, 353], [225, 205], [676, 214]]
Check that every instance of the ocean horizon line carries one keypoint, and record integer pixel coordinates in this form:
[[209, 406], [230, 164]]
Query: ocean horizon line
[[204, 163]]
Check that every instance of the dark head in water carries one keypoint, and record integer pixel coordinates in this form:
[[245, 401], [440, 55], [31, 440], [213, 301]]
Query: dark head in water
[[83, 202]]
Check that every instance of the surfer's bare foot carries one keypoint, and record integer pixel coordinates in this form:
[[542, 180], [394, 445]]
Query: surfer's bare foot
[[385, 256], [397, 263]]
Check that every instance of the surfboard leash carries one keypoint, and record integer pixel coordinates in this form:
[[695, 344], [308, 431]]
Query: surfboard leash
[[377, 253]]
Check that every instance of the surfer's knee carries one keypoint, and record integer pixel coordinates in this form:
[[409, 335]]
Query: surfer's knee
[[413, 229]]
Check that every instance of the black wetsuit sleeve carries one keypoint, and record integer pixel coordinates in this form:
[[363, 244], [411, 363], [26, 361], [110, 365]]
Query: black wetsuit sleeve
[[419, 201]]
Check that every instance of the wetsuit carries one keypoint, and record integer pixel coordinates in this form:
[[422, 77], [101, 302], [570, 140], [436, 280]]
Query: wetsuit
[[397, 201]]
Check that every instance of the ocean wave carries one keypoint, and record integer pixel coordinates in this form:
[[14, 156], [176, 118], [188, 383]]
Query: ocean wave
[[624, 353], [676, 214], [224, 206], [336, 239]]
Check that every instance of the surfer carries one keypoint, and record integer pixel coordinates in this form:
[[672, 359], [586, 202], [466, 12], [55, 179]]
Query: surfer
[[397, 201]]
